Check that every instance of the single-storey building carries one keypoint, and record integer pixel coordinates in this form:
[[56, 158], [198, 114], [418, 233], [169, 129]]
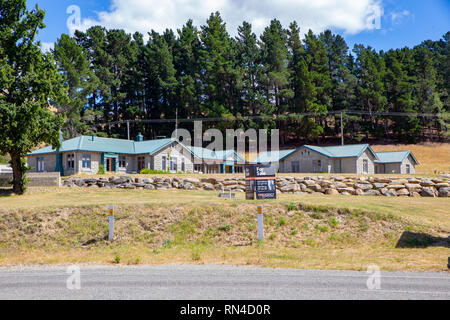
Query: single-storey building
[[402, 162], [87, 153], [216, 161], [356, 158]]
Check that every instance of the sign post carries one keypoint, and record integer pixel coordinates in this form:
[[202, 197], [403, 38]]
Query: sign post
[[260, 184], [260, 224], [111, 223], [260, 181]]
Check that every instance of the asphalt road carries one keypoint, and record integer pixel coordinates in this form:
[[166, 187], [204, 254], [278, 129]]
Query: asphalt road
[[216, 282]]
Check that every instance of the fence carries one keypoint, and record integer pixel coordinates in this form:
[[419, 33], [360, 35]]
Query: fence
[[36, 179]]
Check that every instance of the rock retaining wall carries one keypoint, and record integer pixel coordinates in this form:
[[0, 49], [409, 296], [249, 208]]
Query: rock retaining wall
[[360, 186]]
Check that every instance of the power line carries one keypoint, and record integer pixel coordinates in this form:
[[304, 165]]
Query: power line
[[444, 115]]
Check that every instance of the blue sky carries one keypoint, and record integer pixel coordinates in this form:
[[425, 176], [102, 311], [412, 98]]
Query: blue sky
[[401, 23]]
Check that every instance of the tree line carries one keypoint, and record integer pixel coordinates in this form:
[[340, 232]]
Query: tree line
[[204, 72]]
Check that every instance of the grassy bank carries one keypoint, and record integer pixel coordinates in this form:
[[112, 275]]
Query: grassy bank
[[154, 227]]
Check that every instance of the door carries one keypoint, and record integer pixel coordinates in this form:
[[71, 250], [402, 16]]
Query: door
[[140, 163], [109, 164]]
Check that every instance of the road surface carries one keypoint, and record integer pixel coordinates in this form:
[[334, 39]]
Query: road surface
[[216, 282]]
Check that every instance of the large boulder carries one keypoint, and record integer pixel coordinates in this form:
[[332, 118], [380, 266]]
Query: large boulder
[[372, 192], [395, 186], [413, 187], [402, 192], [427, 183], [399, 181], [388, 192], [444, 192], [208, 180], [427, 192], [339, 184], [363, 186], [331, 191], [290, 188], [379, 185]]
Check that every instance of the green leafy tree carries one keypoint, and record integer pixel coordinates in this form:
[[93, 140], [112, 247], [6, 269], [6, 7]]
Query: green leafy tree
[[28, 80]]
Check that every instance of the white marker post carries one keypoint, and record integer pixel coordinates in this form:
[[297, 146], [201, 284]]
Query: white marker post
[[260, 224], [111, 223]]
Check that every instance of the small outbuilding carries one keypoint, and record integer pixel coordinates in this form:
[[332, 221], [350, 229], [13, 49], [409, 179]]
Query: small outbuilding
[[402, 162]]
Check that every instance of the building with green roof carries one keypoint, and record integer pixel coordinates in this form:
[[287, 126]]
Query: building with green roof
[[85, 154], [354, 158], [402, 162]]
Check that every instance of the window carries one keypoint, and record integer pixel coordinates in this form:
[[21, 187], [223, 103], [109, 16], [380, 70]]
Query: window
[[408, 169], [40, 164], [163, 163], [173, 164], [317, 166], [122, 162], [140, 163], [197, 167], [86, 161], [365, 166], [295, 166], [71, 161], [183, 165]]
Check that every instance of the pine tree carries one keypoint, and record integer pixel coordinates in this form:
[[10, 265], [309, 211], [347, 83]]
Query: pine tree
[[186, 59], [219, 72], [370, 69], [275, 61], [73, 63]]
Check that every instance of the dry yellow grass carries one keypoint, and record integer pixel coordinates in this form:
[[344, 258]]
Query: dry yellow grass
[[433, 157], [432, 211], [355, 258], [51, 225]]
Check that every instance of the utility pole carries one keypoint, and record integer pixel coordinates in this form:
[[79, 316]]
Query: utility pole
[[342, 132], [176, 123], [128, 129]]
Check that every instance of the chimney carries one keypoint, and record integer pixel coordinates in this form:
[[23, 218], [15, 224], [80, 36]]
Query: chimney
[[139, 137], [93, 136]]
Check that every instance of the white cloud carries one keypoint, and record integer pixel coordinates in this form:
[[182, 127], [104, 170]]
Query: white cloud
[[46, 46], [396, 17], [352, 16]]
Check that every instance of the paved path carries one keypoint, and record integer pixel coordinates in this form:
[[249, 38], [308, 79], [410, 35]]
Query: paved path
[[216, 282]]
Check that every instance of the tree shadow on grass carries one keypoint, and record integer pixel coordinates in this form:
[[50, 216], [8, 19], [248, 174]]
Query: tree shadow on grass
[[410, 239], [4, 192]]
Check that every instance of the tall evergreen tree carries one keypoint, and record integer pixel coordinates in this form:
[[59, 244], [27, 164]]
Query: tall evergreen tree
[[220, 75], [370, 69], [73, 63], [275, 61]]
